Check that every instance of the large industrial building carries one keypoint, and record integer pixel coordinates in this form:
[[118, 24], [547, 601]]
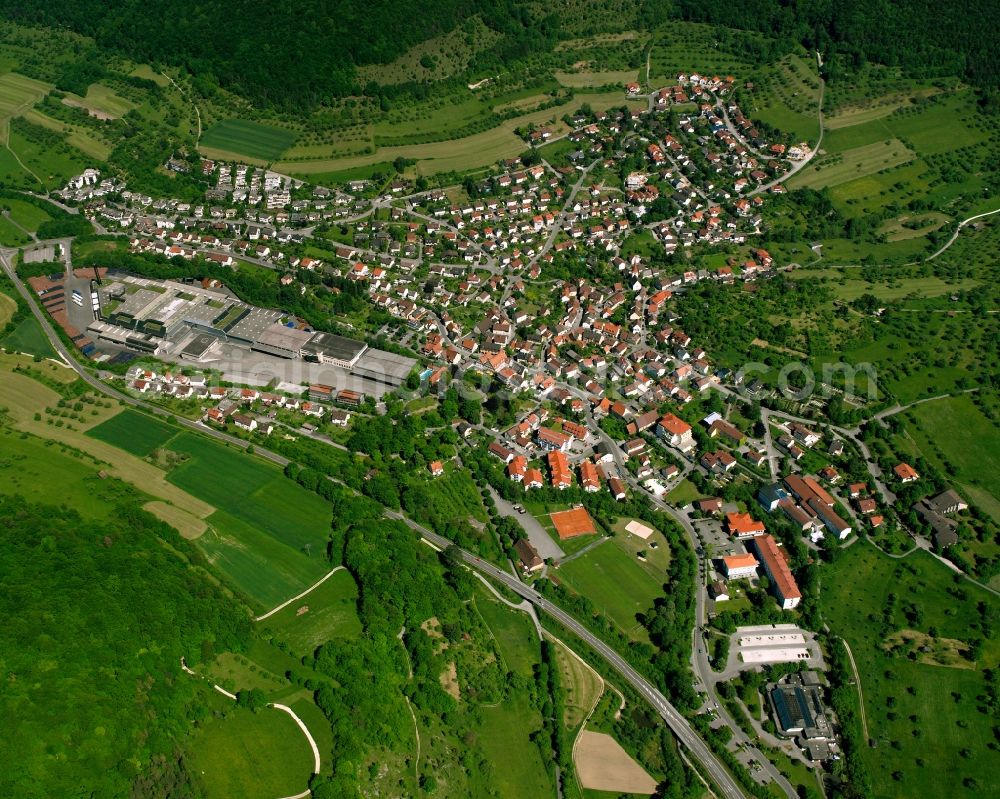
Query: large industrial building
[[169, 319]]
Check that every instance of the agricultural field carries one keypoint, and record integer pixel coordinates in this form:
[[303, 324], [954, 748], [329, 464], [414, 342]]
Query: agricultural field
[[615, 582], [134, 432], [330, 612], [7, 308], [28, 337], [243, 137], [914, 707], [849, 164], [263, 532], [590, 79], [250, 754], [955, 435]]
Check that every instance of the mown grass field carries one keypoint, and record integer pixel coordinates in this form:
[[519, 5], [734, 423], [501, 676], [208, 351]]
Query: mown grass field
[[504, 737], [250, 754], [587, 79], [615, 582], [11, 235], [921, 715], [244, 137], [958, 430], [134, 432], [332, 613], [18, 93]]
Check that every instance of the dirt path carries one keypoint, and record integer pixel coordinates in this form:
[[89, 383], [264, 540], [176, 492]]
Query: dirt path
[[861, 695], [312, 587]]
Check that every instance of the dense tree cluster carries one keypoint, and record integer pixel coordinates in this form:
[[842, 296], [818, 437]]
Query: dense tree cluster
[[98, 613]]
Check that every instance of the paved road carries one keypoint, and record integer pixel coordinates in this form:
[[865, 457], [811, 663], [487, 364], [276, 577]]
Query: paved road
[[679, 725]]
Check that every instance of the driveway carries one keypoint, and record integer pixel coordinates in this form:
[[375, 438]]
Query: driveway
[[533, 530]]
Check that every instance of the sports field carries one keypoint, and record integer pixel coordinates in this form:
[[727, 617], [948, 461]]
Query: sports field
[[260, 754], [615, 583], [914, 708], [244, 137], [328, 612]]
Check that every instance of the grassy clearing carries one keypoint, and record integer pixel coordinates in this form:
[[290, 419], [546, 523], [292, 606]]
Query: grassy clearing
[[25, 214], [7, 308], [146, 72], [248, 138], [850, 287], [921, 715], [504, 737], [332, 613], [514, 632], [11, 235], [28, 337], [18, 93], [101, 102], [134, 432], [53, 165], [615, 582], [250, 754], [874, 108], [956, 432], [832, 171]]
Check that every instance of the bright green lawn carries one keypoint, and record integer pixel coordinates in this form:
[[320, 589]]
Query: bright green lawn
[[615, 582]]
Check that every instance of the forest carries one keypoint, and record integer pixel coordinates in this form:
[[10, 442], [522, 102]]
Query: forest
[[98, 613], [306, 58]]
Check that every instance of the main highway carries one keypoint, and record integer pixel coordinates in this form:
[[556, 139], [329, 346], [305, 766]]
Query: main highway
[[680, 726]]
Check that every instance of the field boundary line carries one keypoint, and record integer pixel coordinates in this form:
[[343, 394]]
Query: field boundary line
[[312, 587]]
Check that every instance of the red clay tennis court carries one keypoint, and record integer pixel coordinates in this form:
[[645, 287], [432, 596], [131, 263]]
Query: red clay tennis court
[[571, 523]]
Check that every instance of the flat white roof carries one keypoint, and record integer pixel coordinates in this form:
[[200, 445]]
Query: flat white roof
[[784, 654]]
